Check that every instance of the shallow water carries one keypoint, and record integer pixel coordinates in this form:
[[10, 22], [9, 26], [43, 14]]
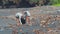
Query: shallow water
[[26, 28]]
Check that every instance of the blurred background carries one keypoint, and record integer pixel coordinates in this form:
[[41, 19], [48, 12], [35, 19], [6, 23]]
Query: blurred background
[[27, 3]]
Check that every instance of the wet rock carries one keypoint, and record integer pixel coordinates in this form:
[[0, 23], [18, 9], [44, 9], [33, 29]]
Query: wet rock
[[23, 33], [58, 28], [37, 31], [15, 31], [49, 29], [53, 32], [21, 30]]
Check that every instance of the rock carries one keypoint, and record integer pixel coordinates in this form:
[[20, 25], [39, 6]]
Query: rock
[[58, 28], [53, 32], [37, 31], [49, 29], [23, 33], [21, 30], [43, 22], [15, 31]]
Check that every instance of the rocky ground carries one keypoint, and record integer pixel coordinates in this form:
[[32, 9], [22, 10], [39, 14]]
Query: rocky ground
[[45, 20]]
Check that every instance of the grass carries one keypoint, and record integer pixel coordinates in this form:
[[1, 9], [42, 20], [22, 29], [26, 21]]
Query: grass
[[56, 5]]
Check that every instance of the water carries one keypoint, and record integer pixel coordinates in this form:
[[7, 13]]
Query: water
[[26, 29]]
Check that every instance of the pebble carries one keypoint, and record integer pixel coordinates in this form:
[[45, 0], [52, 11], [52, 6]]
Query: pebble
[[44, 26], [49, 29], [21, 30], [52, 22], [1, 29]]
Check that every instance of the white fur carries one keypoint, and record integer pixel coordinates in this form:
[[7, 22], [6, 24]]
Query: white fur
[[19, 14], [28, 13]]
